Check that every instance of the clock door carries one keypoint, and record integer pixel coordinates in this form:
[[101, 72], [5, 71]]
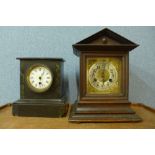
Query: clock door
[[39, 78], [104, 77]]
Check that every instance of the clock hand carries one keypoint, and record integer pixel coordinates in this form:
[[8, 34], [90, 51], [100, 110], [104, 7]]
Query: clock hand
[[43, 73], [40, 77]]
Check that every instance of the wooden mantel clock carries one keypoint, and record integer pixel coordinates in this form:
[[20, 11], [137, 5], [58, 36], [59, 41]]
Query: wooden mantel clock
[[104, 79], [41, 88]]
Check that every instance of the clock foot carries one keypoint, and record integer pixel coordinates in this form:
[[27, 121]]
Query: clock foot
[[78, 115]]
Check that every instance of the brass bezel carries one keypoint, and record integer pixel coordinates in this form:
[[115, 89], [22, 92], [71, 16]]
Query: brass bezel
[[28, 75]]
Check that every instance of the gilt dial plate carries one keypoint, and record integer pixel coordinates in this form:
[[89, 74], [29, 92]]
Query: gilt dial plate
[[104, 75], [39, 78]]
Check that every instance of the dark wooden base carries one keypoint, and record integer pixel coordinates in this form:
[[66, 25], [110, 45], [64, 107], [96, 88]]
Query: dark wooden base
[[40, 108], [102, 113]]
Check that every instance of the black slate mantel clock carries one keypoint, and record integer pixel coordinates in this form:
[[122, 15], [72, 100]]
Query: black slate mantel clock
[[104, 79], [41, 88]]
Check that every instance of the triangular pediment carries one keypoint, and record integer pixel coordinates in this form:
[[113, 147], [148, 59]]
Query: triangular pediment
[[106, 37], [104, 40]]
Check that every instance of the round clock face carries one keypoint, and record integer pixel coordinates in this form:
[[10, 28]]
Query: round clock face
[[103, 75], [39, 78]]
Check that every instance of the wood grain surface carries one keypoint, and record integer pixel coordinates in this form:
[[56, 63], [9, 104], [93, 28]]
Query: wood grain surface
[[7, 121]]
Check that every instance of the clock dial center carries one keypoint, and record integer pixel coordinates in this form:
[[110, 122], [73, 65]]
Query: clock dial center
[[102, 75]]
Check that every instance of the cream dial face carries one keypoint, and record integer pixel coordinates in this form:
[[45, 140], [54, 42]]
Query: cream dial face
[[102, 76], [39, 78]]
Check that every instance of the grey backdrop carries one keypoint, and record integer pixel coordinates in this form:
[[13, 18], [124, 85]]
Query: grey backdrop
[[57, 42]]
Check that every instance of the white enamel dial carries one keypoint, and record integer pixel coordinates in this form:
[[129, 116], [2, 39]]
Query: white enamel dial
[[40, 78], [102, 76]]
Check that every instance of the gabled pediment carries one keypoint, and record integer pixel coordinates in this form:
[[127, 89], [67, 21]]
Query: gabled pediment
[[106, 37], [104, 40]]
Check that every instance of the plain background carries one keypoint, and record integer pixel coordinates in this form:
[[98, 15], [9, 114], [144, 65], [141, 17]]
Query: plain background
[[57, 42]]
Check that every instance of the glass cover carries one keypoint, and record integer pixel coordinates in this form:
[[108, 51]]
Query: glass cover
[[104, 75]]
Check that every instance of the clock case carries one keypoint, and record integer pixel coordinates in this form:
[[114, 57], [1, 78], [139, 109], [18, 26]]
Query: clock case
[[51, 103], [103, 108]]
